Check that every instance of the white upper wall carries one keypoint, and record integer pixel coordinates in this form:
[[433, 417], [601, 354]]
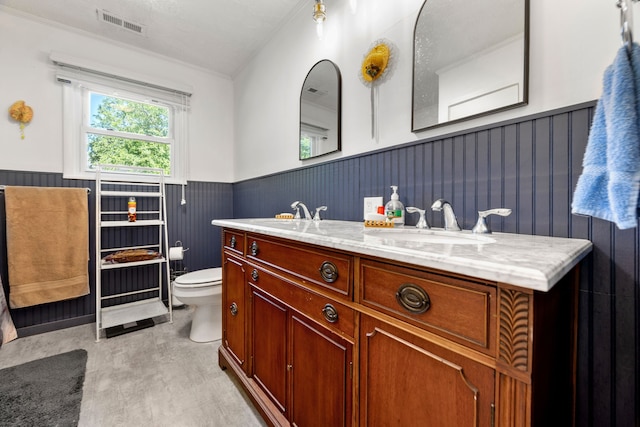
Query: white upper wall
[[571, 44], [248, 127], [26, 73]]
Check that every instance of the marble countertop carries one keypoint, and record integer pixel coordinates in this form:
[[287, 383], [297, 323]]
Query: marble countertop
[[533, 262]]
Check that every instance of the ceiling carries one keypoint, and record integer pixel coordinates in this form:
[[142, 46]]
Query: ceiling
[[218, 35]]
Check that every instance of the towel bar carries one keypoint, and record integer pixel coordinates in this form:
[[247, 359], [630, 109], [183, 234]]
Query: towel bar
[[2, 187], [626, 22]]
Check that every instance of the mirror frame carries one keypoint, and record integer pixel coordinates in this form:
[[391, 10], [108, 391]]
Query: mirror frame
[[525, 77], [338, 112]]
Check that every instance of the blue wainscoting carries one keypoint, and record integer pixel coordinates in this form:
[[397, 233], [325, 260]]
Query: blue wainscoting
[[530, 165]]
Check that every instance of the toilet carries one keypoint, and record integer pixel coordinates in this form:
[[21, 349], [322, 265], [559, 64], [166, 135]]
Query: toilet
[[202, 290]]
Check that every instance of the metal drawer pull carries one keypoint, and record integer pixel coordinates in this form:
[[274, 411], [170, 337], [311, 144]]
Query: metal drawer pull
[[413, 298], [329, 272], [234, 309], [254, 275], [233, 242], [330, 313], [254, 248]]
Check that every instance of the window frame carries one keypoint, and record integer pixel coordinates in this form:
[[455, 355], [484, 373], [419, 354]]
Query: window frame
[[76, 117], [316, 134]]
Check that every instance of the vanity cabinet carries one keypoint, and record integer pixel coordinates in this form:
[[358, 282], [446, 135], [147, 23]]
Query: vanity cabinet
[[403, 366], [343, 338], [301, 364], [299, 333], [448, 350]]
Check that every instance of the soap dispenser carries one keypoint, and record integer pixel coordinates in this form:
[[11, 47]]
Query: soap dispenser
[[394, 209]]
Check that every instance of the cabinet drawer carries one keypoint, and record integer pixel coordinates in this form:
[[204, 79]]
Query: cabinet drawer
[[312, 266], [325, 311], [460, 310], [233, 240]]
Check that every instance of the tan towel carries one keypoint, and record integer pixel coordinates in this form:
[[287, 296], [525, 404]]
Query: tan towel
[[47, 244]]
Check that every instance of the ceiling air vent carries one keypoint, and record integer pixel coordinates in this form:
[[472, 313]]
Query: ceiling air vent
[[110, 18]]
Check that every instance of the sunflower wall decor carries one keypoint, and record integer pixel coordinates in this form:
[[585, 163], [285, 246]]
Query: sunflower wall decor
[[22, 113], [377, 67]]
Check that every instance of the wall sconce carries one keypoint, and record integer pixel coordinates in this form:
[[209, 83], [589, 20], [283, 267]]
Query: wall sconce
[[319, 15]]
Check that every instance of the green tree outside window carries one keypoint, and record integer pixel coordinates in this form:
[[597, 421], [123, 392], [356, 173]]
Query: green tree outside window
[[128, 133]]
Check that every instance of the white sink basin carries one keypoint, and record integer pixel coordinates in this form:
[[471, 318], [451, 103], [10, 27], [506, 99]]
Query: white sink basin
[[426, 236]]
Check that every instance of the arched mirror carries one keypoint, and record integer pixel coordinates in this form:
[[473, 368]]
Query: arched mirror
[[320, 111], [470, 58]]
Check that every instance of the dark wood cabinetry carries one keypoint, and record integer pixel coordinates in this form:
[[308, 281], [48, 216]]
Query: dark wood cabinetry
[[300, 341], [461, 310], [269, 347], [426, 385], [321, 375], [304, 368], [234, 309], [320, 337]]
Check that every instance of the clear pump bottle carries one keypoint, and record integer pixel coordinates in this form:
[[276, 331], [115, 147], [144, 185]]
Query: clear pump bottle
[[394, 209]]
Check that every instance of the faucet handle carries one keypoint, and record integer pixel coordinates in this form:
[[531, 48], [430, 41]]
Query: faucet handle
[[316, 217], [481, 226], [422, 222], [499, 211]]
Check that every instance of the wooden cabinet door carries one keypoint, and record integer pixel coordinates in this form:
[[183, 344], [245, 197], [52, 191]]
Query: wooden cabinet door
[[321, 376], [234, 310], [408, 381], [268, 350]]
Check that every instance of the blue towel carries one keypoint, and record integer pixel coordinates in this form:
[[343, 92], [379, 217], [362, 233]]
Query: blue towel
[[610, 182]]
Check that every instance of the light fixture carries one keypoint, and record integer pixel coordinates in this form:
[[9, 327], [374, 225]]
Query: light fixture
[[319, 12], [319, 15]]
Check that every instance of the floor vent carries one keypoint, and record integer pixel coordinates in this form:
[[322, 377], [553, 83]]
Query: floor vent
[[113, 19]]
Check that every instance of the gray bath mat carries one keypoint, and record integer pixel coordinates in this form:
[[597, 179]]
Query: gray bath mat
[[44, 392]]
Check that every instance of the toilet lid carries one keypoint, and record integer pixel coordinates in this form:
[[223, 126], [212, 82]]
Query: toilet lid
[[199, 277]]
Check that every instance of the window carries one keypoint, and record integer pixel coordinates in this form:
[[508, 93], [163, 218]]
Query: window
[[121, 131], [118, 121], [311, 139]]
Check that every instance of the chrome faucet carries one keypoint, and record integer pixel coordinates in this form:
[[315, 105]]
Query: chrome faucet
[[296, 205], [422, 222], [450, 221]]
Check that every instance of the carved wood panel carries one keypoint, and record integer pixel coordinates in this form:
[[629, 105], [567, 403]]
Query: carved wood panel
[[513, 337]]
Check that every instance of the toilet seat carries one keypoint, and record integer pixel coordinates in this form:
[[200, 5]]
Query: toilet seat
[[200, 278]]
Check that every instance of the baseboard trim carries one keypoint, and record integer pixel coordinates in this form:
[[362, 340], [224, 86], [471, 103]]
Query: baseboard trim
[[54, 326]]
